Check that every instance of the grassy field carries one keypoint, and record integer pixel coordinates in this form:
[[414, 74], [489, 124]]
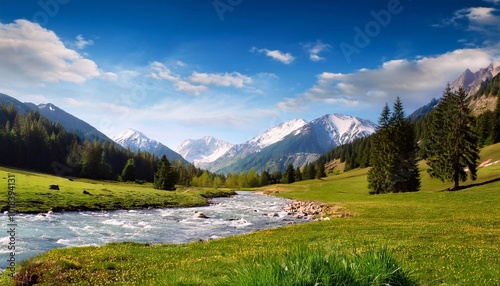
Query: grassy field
[[33, 194], [444, 238]]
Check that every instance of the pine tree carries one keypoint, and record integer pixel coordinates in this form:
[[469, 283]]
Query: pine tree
[[128, 173], [393, 154], [290, 174], [380, 157], [320, 170], [404, 173], [496, 126], [453, 143], [165, 176]]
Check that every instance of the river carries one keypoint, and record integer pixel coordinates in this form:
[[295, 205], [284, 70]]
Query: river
[[243, 213]]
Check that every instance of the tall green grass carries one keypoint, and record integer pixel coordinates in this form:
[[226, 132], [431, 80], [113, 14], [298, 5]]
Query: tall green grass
[[303, 266]]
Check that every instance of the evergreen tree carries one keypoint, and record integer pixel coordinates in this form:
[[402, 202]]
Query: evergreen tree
[[394, 154], [453, 143], [496, 124], [298, 175], [165, 176], [290, 174], [128, 173], [404, 173], [320, 170], [380, 157], [264, 178]]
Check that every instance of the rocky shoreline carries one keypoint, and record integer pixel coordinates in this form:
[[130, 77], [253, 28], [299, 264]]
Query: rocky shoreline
[[314, 211]]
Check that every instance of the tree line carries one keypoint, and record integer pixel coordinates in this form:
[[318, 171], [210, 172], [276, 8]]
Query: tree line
[[33, 142], [252, 179], [448, 137]]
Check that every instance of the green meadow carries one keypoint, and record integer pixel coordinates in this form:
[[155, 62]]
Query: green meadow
[[33, 194], [437, 236]]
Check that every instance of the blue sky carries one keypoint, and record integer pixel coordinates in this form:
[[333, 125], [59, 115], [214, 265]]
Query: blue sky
[[233, 68]]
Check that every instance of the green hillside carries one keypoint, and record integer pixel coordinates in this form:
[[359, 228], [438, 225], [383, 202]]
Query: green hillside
[[444, 238], [33, 194]]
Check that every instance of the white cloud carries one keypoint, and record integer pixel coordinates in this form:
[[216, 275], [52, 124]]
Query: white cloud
[[234, 79], [161, 71], [278, 55], [81, 43], [417, 81], [314, 49], [32, 54], [189, 88], [493, 1], [268, 75], [478, 19], [180, 63], [109, 76]]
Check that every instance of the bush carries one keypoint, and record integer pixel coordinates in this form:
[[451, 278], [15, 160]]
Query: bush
[[316, 267]]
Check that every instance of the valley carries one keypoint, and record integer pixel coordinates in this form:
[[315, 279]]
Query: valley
[[443, 237], [245, 143]]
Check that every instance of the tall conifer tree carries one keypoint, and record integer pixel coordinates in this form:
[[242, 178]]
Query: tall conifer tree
[[378, 179], [453, 143], [404, 175]]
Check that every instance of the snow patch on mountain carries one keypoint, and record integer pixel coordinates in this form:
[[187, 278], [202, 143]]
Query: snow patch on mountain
[[204, 150], [135, 141], [276, 134], [296, 141], [343, 129]]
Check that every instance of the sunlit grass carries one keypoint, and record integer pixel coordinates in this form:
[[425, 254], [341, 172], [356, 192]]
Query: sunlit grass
[[444, 238], [33, 194]]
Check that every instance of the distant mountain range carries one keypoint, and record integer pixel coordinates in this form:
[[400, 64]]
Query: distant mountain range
[[295, 142], [472, 81], [203, 151], [69, 122], [72, 124], [136, 141]]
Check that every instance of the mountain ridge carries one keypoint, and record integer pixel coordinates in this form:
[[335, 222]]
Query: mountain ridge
[[203, 151], [136, 140], [471, 81], [295, 142]]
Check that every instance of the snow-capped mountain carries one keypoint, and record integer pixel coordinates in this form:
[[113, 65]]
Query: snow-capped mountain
[[70, 122], [472, 81], [297, 142], [203, 151], [340, 129], [136, 140], [275, 134]]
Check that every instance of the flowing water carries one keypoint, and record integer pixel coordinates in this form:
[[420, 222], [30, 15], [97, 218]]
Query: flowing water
[[243, 213]]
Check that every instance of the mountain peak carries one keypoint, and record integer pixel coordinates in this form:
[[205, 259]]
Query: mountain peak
[[471, 81], [130, 133], [136, 140], [277, 133], [203, 151]]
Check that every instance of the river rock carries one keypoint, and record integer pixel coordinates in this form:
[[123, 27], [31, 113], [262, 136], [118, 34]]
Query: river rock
[[200, 215]]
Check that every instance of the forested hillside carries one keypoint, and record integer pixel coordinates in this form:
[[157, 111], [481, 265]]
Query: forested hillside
[[31, 141], [487, 127]]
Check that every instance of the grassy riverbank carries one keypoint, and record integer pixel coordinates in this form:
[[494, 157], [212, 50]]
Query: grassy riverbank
[[33, 194], [444, 238]]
